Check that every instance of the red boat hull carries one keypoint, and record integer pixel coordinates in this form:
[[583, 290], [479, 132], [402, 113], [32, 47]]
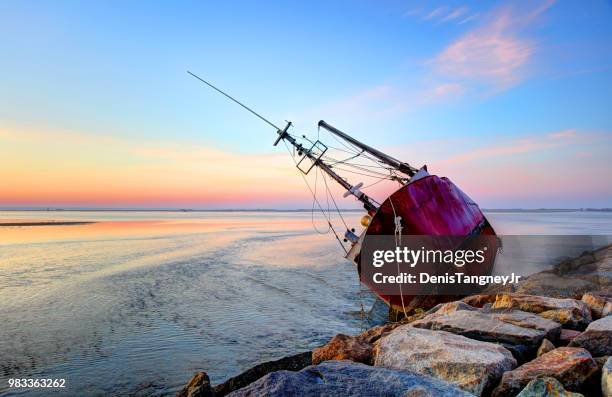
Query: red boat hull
[[430, 206]]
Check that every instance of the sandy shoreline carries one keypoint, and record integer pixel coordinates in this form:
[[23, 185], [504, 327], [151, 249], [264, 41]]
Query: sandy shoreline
[[48, 223]]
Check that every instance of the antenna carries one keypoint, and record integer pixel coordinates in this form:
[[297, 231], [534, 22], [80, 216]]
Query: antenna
[[234, 99]]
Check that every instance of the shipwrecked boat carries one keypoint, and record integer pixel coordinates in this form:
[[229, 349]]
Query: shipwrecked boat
[[421, 203]]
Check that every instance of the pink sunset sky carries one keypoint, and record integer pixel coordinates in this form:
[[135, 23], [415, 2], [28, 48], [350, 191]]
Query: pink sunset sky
[[509, 101]]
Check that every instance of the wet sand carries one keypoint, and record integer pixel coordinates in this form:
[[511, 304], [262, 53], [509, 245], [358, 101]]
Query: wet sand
[[51, 223]]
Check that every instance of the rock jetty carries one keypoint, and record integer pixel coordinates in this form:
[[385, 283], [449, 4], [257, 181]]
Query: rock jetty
[[551, 335]]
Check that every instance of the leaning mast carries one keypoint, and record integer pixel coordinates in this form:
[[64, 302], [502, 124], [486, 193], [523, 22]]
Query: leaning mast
[[310, 154]]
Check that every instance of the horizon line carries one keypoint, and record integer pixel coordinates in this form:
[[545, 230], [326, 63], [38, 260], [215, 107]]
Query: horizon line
[[128, 209]]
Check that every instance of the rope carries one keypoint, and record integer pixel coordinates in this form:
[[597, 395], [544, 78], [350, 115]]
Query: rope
[[398, 228]]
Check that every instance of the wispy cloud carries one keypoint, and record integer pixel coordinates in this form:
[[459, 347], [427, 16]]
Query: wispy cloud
[[42, 167], [517, 147], [442, 14], [493, 55], [486, 59]]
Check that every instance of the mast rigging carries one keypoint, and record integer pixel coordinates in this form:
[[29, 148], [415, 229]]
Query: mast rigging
[[317, 161]]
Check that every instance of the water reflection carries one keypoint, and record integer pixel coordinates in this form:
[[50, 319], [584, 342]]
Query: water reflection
[[138, 301]]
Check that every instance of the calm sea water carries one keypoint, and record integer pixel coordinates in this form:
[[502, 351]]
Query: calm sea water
[[138, 301]]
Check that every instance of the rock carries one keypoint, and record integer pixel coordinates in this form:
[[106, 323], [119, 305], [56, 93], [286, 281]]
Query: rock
[[569, 365], [601, 361], [606, 378], [198, 386], [569, 312], [347, 378], [546, 387], [597, 338], [600, 303], [567, 335], [373, 334], [549, 284], [545, 347], [479, 300], [417, 305], [491, 327], [472, 365], [291, 363], [343, 347], [568, 265], [449, 307], [598, 271], [523, 319]]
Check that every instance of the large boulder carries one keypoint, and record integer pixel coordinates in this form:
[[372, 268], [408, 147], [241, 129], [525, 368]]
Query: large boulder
[[343, 347], [350, 379], [546, 387], [606, 378], [569, 365], [518, 331], [474, 366], [600, 303], [597, 338], [571, 313], [291, 363], [198, 386]]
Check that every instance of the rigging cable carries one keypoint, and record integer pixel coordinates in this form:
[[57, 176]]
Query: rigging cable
[[235, 100], [328, 192], [313, 206], [316, 200]]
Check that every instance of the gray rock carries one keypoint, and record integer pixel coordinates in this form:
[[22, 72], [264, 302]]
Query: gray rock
[[474, 366], [600, 303], [546, 387], [566, 336], [569, 312], [569, 365], [449, 307], [597, 338], [606, 378], [598, 271], [550, 284], [291, 363], [492, 326], [350, 379], [552, 329]]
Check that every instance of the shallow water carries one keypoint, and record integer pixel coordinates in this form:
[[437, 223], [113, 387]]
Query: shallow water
[[137, 302]]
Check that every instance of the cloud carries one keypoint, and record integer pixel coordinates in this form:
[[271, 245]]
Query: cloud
[[493, 54], [442, 92], [486, 59], [67, 168], [517, 147], [436, 13], [442, 14]]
